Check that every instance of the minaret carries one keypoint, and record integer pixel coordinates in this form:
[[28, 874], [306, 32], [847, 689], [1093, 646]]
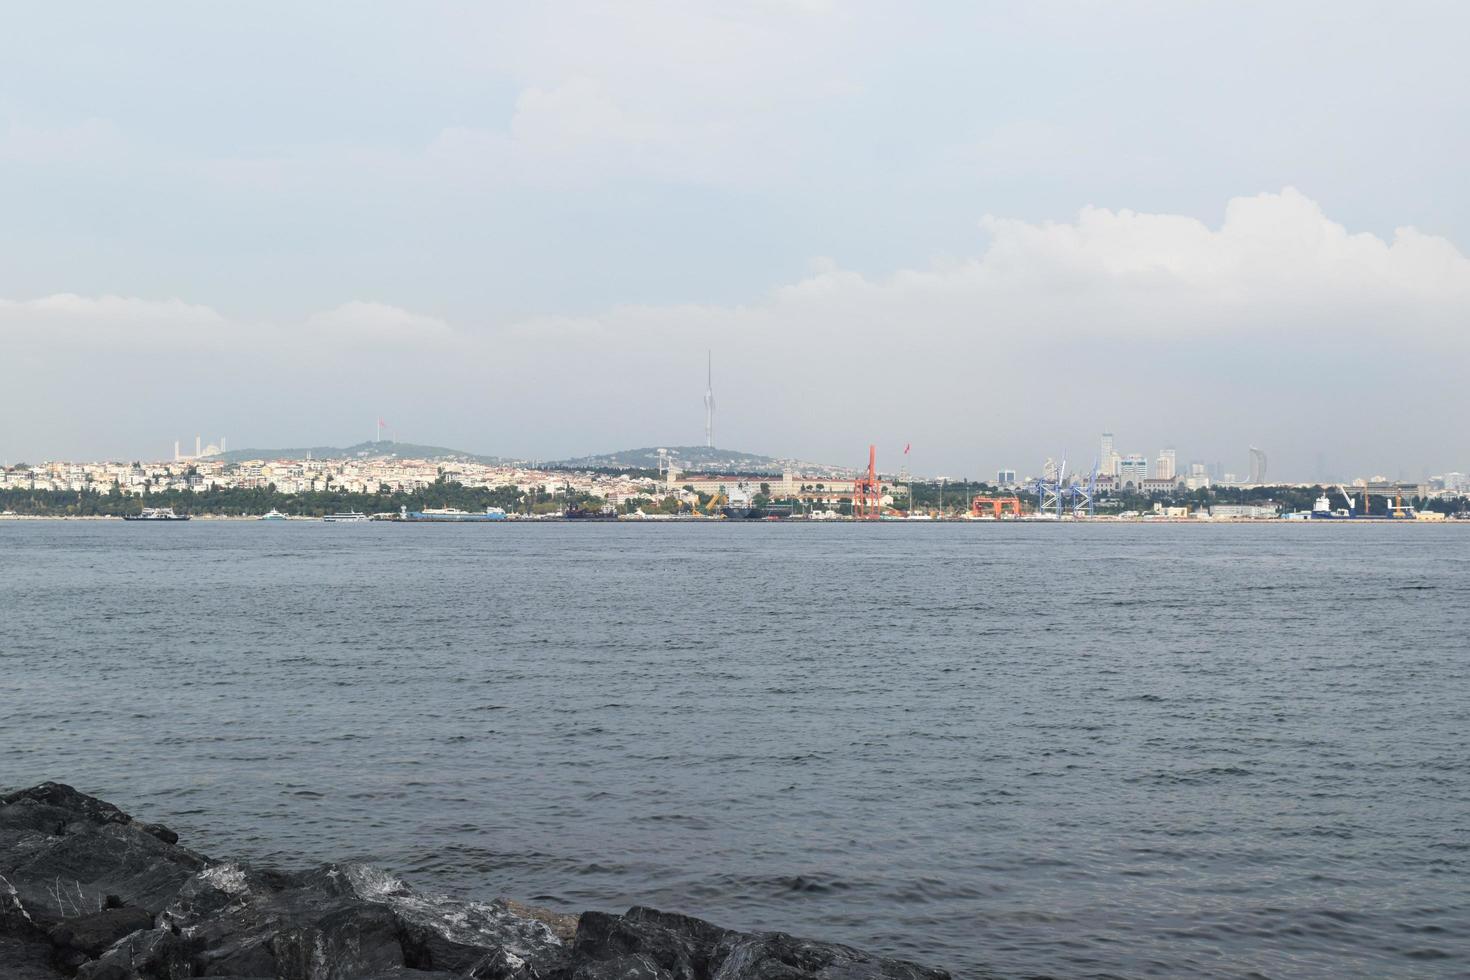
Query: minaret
[[709, 401]]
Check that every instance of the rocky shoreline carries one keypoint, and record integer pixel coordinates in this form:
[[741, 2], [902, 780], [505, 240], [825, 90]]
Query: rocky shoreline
[[87, 891]]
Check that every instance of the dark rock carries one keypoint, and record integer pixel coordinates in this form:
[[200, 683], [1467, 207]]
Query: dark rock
[[111, 971], [25, 959], [352, 940], [649, 945], [91, 934], [73, 803], [644, 943], [160, 831], [64, 852], [111, 898], [442, 933], [777, 956], [157, 954]]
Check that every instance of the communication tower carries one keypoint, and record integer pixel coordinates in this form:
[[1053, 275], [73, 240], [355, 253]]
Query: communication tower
[[709, 401]]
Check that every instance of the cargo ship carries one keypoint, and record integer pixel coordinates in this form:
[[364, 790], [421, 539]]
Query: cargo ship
[[449, 515], [1322, 510], [156, 514], [583, 514], [1396, 509]]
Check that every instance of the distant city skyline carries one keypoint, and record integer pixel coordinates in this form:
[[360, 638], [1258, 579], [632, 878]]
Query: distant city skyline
[[953, 225], [1128, 467]]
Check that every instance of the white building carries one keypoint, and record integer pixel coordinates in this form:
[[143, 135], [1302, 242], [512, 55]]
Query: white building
[[1132, 471]]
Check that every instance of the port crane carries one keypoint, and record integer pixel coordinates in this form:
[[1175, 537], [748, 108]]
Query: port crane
[[995, 507], [1395, 502], [1348, 497], [867, 491], [1053, 495]]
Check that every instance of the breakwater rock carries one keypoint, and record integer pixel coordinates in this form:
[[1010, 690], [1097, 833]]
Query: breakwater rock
[[87, 891]]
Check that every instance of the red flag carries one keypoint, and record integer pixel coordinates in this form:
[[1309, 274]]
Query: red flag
[[906, 447], [381, 423]]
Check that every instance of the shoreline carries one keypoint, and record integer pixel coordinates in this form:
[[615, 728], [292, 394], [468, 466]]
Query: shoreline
[[87, 891], [256, 518]]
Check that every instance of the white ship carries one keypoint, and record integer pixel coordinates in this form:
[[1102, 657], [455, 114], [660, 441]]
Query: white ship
[[156, 514]]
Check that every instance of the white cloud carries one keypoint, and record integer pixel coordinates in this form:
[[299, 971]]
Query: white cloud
[[64, 319], [1158, 323], [375, 326], [1276, 263], [170, 329]]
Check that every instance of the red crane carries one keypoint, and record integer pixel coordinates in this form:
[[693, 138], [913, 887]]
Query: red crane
[[867, 491], [996, 507]]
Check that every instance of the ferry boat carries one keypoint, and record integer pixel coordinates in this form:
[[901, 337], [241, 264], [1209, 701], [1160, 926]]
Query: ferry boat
[[449, 515], [273, 515], [156, 514], [350, 517]]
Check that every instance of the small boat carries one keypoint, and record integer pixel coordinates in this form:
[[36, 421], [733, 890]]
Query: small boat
[[272, 515], [156, 514], [349, 517]]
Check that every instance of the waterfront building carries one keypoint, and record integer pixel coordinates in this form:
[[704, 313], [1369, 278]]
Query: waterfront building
[[1132, 471], [1164, 466]]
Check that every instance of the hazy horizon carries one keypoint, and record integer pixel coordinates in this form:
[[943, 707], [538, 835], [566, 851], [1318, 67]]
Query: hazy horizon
[[988, 232]]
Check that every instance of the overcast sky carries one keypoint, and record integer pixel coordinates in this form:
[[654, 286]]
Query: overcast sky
[[989, 230]]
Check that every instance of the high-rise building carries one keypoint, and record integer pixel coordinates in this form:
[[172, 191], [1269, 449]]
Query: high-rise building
[[1005, 478], [1132, 470], [1106, 458], [1164, 466], [1258, 465]]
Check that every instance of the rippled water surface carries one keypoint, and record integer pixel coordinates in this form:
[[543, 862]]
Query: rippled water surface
[[1011, 749]]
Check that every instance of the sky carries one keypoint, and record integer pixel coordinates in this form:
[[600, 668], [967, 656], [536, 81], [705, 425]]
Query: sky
[[987, 230]]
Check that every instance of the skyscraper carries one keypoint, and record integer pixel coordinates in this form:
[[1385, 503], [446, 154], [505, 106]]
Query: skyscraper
[[1105, 456], [1258, 465], [1165, 467]]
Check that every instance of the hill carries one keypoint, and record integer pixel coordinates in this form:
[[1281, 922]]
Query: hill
[[364, 450], [698, 459]]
